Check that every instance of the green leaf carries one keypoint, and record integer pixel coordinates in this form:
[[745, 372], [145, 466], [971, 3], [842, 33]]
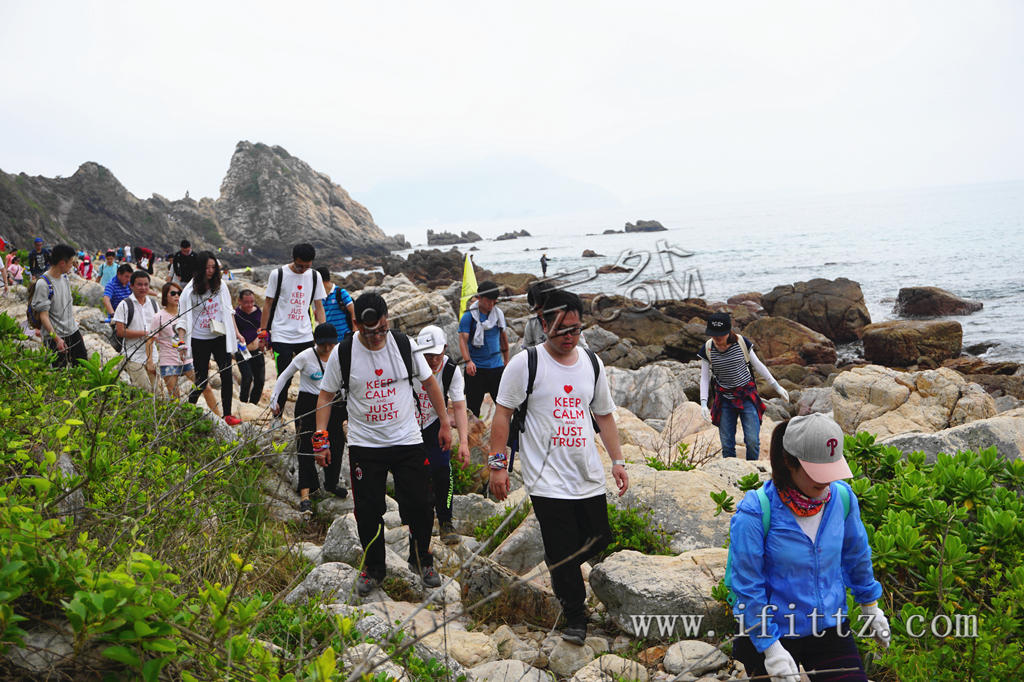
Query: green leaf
[[122, 654], [151, 670], [164, 646]]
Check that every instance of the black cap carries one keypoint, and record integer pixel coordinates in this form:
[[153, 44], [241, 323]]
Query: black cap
[[370, 308], [719, 324], [325, 332], [487, 289]]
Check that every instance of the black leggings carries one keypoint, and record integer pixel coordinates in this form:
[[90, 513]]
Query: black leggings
[[254, 374], [828, 652], [305, 426], [486, 380], [202, 349]]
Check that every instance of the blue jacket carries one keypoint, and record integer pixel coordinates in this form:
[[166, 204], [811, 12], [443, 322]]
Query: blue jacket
[[794, 574]]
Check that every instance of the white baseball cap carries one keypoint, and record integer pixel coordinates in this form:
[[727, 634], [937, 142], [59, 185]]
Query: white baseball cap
[[431, 340]]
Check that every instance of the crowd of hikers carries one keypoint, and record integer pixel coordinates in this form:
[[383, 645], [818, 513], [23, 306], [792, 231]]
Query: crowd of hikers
[[391, 402]]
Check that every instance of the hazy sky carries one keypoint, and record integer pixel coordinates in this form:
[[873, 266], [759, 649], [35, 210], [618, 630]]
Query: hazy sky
[[433, 110]]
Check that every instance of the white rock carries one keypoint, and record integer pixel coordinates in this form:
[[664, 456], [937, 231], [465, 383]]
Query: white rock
[[566, 658], [507, 671], [611, 668], [694, 657]]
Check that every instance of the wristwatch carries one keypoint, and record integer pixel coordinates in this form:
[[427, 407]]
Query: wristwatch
[[618, 462]]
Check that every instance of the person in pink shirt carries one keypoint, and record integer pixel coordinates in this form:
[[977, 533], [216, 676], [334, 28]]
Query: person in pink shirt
[[172, 363]]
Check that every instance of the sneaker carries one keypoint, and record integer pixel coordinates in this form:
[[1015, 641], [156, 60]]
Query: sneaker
[[575, 633], [232, 420], [306, 508], [430, 577], [448, 534], [365, 584]]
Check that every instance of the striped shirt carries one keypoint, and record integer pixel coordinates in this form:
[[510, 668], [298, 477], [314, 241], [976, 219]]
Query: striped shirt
[[729, 366]]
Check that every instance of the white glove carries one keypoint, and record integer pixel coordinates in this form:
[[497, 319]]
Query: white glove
[[879, 626], [780, 664], [705, 412], [783, 393]]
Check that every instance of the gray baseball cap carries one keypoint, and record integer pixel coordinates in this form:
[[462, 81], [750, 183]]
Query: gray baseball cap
[[817, 441]]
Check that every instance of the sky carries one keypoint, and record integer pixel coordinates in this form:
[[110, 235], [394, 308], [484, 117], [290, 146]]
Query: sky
[[474, 111]]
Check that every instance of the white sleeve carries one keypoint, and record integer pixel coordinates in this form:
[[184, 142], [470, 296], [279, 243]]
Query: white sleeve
[[705, 381], [457, 389], [296, 365], [272, 284], [332, 373], [121, 313], [321, 293], [422, 368], [184, 320], [760, 368], [512, 390], [602, 403]]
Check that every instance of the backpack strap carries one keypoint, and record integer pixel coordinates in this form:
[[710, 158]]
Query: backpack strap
[[405, 349], [844, 496], [743, 347], [312, 294], [273, 304], [531, 373], [152, 304], [766, 509], [447, 372], [345, 361], [597, 371]]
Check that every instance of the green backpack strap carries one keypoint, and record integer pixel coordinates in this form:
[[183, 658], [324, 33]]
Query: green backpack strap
[[766, 509], [844, 495]]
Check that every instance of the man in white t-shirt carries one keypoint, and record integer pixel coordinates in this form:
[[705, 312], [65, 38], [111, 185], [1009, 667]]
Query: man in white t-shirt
[[383, 435], [432, 343], [561, 467], [285, 325], [138, 364]]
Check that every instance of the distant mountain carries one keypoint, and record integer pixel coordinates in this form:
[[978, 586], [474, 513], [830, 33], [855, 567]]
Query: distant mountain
[[268, 201]]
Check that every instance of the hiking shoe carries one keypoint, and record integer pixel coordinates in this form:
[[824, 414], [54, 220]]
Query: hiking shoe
[[448, 534], [575, 634], [430, 577], [340, 491], [365, 584], [232, 420], [306, 508]]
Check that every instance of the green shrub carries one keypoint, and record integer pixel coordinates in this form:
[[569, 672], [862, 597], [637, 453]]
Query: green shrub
[[634, 529], [681, 461], [495, 530], [464, 478]]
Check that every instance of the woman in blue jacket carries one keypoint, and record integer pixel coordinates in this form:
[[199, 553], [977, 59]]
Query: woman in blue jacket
[[795, 547]]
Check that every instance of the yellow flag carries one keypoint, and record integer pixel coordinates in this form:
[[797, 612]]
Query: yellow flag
[[468, 285]]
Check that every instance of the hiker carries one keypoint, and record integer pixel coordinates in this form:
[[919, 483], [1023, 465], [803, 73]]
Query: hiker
[[107, 270], [173, 363], [128, 253], [484, 346], [117, 289], [561, 467], [132, 319], [383, 435], [145, 257], [40, 259], [309, 364], [730, 358], [285, 325], [85, 266], [339, 309], [544, 265], [533, 331], [794, 552], [15, 272], [53, 309], [206, 325], [253, 369], [432, 343], [184, 264]]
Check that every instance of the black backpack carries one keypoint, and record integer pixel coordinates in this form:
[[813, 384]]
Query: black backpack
[[277, 294], [518, 423], [116, 341], [31, 313], [446, 377], [343, 309], [404, 349]]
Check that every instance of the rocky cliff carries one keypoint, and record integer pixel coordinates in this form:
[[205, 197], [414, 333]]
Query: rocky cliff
[[269, 200]]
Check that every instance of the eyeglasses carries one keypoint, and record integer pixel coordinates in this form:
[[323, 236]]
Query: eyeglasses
[[174, 293], [569, 331], [376, 332]]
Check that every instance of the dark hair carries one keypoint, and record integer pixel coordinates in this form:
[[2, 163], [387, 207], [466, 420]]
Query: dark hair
[[536, 294], [138, 274], [325, 273], [166, 290], [303, 251], [124, 267], [732, 337], [783, 463], [557, 301], [245, 292], [370, 308], [487, 289], [61, 252], [109, 254], [200, 284], [185, 244]]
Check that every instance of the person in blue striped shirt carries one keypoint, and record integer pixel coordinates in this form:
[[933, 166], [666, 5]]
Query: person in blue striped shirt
[[117, 289], [338, 306]]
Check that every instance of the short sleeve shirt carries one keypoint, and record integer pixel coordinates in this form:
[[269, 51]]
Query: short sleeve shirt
[[142, 318], [291, 322], [456, 393]]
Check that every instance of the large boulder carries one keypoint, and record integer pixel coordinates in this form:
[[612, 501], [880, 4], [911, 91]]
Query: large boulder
[[932, 302], [517, 600], [900, 343], [685, 341], [779, 337], [1004, 431], [633, 586], [612, 350], [646, 327], [651, 392], [887, 402], [410, 309], [835, 308], [523, 548]]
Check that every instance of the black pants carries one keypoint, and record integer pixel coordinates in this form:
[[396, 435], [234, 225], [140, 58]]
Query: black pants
[[202, 349], [305, 426], [369, 468], [827, 652], [440, 472], [254, 374], [483, 382], [567, 527], [284, 352], [75, 349]]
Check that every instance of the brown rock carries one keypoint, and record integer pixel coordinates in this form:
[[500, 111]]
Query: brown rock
[[998, 384], [515, 283], [649, 327], [932, 302], [753, 296], [899, 343], [518, 601], [612, 269], [684, 343], [686, 309], [833, 307], [970, 365], [589, 253], [779, 337], [651, 656]]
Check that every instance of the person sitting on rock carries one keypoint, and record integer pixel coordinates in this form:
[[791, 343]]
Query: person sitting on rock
[[731, 360]]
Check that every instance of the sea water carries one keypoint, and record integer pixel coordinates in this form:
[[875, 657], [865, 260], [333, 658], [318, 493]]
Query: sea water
[[968, 240]]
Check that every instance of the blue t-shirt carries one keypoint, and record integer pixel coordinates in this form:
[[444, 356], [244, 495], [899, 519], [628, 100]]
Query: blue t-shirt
[[116, 291], [487, 356], [335, 315], [107, 273]]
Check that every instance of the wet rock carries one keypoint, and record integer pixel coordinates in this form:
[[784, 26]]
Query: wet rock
[[932, 302]]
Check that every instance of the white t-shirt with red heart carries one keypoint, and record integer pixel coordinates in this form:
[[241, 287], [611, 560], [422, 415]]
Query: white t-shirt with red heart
[[557, 451], [291, 322], [381, 406]]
